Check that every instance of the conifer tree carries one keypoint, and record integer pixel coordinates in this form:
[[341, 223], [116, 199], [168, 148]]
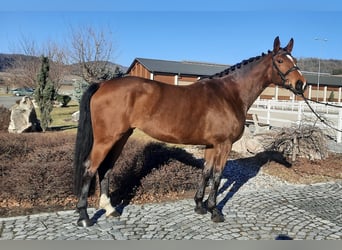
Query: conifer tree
[[44, 94]]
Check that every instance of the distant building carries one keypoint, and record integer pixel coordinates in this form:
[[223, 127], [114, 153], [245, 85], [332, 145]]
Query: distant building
[[187, 72], [173, 72], [330, 86]]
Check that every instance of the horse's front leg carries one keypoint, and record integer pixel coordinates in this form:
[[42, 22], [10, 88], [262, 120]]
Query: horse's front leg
[[200, 206], [209, 154], [216, 214], [222, 152]]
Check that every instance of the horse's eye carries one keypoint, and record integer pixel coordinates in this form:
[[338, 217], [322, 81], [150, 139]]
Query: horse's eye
[[280, 60]]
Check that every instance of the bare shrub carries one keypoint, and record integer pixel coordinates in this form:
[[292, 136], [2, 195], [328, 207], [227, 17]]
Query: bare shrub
[[5, 116], [151, 168], [181, 178], [35, 168], [36, 171], [304, 141]]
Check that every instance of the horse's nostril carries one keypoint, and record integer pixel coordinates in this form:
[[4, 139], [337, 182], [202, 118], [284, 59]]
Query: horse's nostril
[[299, 85]]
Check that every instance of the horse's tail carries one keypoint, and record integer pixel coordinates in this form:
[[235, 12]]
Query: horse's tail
[[84, 139]]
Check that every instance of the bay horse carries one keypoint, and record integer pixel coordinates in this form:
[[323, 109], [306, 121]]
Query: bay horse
[[210, 112]]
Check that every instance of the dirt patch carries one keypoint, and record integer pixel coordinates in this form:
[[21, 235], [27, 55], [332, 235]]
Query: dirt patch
[[36, 173], [305, 171]]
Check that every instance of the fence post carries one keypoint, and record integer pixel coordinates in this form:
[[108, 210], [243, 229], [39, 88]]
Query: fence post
[[299, 115], [339, 127], [268, 112]]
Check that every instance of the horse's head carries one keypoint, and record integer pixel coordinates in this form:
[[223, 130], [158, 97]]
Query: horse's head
[[285, 70]]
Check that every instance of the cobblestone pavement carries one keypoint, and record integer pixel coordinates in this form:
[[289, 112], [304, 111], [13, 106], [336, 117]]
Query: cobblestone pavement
[[286, 212]]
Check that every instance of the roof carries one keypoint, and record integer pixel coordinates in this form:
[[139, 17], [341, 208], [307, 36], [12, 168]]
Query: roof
[[180, 67], [324, 79]]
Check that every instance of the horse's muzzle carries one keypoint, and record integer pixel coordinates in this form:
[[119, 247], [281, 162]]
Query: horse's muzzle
[[300, 87]]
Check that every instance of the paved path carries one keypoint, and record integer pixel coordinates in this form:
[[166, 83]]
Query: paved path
[[289, 211], [9, 101]]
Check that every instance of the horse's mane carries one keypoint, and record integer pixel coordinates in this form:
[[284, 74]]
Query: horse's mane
[[236, 66]]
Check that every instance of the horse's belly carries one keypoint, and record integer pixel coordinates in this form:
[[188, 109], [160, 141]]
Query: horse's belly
[[190, 132]]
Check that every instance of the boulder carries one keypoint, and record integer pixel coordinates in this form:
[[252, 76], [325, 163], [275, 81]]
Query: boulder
[[75, 116], [247, 145], [23, 117]]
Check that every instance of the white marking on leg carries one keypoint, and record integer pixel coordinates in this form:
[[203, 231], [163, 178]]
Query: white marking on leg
[[105, 204], [87, 164]]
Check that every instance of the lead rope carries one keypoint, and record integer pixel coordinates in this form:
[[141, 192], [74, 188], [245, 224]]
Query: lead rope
[[324, 103], [318, 116]]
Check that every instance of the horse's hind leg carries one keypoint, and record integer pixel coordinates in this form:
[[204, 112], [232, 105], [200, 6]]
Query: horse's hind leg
[[98, 154], [104, 173], [104, 188], [84, 220]]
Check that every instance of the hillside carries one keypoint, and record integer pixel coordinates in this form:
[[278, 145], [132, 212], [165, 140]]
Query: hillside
[[331, 66], [7, 61]]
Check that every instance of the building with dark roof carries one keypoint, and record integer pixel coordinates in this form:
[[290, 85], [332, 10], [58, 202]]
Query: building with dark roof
[[329, 86], [187, 72], [173, 72]]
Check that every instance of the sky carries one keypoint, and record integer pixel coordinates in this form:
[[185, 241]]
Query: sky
[[215, 31]]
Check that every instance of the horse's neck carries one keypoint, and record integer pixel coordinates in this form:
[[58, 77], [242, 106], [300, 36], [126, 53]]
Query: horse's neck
[[254, 80]]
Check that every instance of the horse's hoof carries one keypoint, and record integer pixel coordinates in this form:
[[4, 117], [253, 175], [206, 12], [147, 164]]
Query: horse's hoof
[[200, 210], [85, 223], [113, 214], [217, 216]]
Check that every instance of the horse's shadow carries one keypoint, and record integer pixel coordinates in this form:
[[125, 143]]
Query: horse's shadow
[[238, 172], [129, 176], [155, 155]]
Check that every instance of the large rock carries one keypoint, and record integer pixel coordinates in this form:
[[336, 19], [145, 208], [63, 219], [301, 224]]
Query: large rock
[[23, 117], [75, 116], [247, 145]]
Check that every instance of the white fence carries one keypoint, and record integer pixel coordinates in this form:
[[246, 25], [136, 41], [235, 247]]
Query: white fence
[[285, 113]]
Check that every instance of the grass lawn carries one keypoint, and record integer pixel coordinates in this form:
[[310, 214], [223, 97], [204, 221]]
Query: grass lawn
[[61, 117]]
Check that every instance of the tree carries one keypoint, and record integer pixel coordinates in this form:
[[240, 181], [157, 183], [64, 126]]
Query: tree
[[27, 64], [44, 93], [58, 59], [92, 50], [331, 97], [118, 72], [337, 72], [80, 87]]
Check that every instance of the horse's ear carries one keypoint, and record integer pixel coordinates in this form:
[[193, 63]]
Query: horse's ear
[[276, 45], [289, 46]]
